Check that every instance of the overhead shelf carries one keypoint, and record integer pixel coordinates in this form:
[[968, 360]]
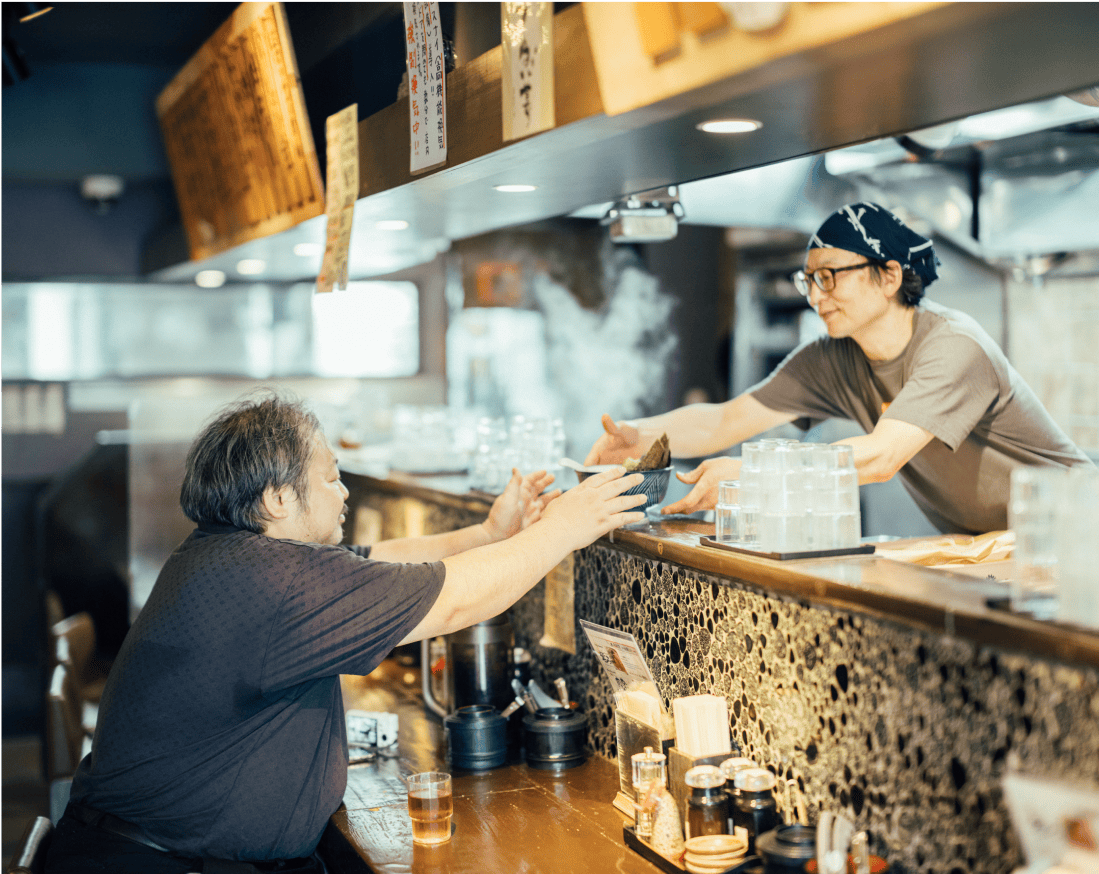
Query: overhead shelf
[[833, 74]]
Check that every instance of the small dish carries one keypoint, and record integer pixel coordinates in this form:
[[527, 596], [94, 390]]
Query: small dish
[[708, 845]]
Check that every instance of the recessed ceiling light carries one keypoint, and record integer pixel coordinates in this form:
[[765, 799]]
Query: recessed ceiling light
[[515, 189], [306, 250], [251, 267], [209, 279], [730, 126], [391, 225]]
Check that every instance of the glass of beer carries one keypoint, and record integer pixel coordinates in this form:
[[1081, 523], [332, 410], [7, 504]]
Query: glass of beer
[[430, 805]]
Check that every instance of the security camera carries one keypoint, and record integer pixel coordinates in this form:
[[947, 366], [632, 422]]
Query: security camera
[[102, 191]]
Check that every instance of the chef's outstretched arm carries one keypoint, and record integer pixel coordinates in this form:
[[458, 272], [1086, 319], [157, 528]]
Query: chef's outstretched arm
[[886, 449], [693, 431]]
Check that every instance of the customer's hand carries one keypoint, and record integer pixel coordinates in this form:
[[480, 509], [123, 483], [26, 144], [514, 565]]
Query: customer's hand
[[705, 478], [596, 506], [519, 505], [619, 442]]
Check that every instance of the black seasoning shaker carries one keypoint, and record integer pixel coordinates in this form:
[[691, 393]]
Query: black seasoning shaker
[[756, 810], [730, 768], [707, 805]]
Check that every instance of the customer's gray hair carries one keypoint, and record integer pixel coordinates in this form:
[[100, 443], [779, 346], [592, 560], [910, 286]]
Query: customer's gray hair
[[261, 442]]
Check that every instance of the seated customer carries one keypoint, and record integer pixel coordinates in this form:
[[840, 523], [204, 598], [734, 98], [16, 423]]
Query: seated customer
[[221, 744]]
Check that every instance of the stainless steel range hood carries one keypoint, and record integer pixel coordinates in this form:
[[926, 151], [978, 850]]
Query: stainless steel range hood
[[1013, 187]]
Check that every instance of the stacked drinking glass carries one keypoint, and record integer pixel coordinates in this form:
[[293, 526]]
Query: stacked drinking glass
[[798, 497], [528, 443], [1052, 514]]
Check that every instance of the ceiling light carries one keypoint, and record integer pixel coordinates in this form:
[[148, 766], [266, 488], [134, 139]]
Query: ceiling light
[[391, 225], [251, 267], [515, 189], [308, 250], [209, 279], [32, 10], [730, 126]]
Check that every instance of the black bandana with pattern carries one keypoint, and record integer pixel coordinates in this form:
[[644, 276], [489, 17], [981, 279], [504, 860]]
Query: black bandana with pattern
[[873, 231]]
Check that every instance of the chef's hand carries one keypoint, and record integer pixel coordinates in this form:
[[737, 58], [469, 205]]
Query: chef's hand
[[621, 441], [519, 505], [705, 478]]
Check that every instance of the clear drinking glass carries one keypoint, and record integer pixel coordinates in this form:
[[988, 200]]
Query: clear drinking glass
[[727, 515], [1032, 513], [750, 494], [430, 806], [1078, 530], [486, 471]]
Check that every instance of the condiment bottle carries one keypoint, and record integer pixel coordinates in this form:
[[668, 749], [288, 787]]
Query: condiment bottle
[[648, 771], [756, 809], [707, 806], [730, 768]]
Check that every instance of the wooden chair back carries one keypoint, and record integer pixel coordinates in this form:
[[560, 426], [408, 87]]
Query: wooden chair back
[[64, 732], [74, 642]]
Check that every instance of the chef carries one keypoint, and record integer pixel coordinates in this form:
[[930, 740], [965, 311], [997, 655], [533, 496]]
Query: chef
[[938, 400]]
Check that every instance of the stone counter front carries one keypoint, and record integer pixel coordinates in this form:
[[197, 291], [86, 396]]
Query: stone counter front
[[904, 721]]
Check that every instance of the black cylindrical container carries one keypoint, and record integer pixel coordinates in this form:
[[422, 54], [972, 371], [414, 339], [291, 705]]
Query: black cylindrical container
[[477, 737], [554, 738], [480, 664], [755, 811], [730, 768], [786, 849]]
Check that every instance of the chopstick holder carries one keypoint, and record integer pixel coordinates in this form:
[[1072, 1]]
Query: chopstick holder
[[702, 725]]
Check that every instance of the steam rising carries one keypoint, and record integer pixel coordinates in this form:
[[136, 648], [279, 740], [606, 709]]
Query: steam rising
[[613, 361]]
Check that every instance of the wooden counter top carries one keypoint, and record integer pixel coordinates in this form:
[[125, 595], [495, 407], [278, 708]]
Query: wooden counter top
[[512, 818], [937, 599]]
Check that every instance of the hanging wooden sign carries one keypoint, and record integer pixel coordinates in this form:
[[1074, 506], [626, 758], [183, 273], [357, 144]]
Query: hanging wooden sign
[[237, 135], [342, 134]]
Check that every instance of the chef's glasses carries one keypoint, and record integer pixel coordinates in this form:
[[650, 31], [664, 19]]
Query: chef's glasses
[[823, 277]]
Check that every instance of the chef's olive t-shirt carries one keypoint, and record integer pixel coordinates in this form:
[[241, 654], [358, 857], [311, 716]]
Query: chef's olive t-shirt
[[951, 380], [221, 729]]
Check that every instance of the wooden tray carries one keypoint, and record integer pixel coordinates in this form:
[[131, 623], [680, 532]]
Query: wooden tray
[[863, 549], [747, 865]]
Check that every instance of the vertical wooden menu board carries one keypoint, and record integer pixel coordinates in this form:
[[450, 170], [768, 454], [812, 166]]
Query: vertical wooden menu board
[[238, 137]]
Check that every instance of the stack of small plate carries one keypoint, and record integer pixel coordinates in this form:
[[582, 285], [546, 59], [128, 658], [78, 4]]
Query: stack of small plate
[[712, 854]]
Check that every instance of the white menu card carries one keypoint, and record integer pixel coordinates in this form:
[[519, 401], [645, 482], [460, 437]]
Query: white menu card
[[426, 85], [628, 672]]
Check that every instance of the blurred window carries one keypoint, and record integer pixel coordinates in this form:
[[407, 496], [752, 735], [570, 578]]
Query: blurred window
[[367, 329], [87, 331]]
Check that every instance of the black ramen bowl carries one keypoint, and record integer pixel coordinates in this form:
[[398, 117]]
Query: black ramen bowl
[[654, 486]]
